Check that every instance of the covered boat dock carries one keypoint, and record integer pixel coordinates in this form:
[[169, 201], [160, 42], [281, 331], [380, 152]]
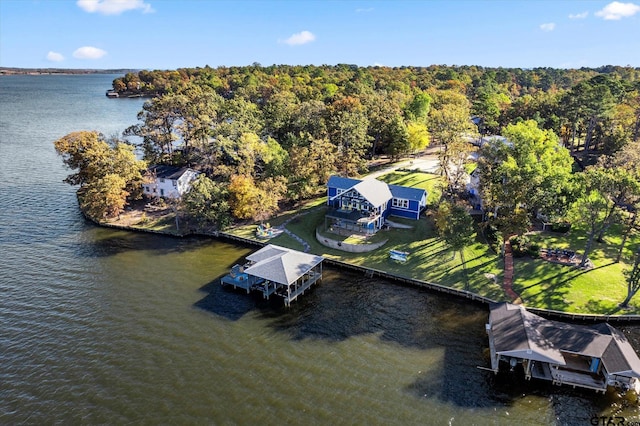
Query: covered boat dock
[[591, 357], [277, 270]]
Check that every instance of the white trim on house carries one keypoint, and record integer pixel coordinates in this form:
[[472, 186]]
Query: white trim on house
[[400, 203]]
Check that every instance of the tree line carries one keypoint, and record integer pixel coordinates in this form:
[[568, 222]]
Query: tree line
[[267, 135]]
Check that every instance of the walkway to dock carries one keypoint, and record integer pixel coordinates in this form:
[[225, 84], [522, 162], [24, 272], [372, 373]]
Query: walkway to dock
[[305, 245], [507, 284]]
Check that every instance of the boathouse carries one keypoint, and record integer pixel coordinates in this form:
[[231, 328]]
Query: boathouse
[[363, 205], [592, 357], [276, 270]]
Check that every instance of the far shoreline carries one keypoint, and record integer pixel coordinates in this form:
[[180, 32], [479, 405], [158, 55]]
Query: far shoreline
[[62, 71]]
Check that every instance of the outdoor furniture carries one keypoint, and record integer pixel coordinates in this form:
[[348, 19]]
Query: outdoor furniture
[[397, 255], [265, 232]]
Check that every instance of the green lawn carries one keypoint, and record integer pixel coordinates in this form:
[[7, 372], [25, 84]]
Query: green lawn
[[598, 290]]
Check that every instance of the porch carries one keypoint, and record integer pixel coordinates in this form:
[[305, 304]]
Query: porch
[[580, 379], [352, 221], [239, 279]]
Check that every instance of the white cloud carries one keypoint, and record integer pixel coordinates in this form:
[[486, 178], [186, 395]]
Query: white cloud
[[578, 15], [113, 7], [302, 37], [55, 57], [616, 10], [89, 52], [548, 27]]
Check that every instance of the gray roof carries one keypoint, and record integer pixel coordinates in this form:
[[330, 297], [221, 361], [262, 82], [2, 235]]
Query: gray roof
[[522, 334], [620, 358], [516, 333], [168, 172], [280, 264]]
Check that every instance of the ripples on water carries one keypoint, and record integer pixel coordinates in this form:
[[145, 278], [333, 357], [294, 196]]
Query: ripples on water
[[101, 326]]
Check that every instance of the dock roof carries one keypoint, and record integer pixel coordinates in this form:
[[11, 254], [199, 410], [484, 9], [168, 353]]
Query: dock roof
[[519, 333], [280, 264]]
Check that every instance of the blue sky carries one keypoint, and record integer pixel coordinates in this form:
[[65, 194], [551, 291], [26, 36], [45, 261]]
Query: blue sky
[[167, 34]]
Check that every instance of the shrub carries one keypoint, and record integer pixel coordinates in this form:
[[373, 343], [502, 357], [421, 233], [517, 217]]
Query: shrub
[[519, 245], [534, 250]]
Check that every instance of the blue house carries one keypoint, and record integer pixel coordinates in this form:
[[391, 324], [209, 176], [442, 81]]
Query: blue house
[[363, 205]]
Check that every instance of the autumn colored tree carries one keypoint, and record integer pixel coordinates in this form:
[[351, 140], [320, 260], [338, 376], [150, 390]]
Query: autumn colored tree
[[310, 167], [347, 127], [207, 203], [449, 122], [255, 200], [108, 174], [418, 135]]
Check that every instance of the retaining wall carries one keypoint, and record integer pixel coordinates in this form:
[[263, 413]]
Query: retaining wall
[[351, 248]]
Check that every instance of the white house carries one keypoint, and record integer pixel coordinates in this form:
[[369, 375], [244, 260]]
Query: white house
[[169, 181]]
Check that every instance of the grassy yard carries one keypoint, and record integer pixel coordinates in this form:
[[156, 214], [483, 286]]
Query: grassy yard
[[598, 290]]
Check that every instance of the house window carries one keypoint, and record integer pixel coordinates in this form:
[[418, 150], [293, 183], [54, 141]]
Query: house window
[[400, 203], [161, 180], [146, 188], [175, 183], [339, 191], [154, 190], [161, 192]]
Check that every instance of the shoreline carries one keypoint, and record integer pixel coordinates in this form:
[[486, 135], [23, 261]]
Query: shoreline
[[396, 278]]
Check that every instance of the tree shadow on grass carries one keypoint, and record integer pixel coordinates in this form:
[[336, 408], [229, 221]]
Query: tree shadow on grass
[[569, 274], [551, 295], [600, 307], [433, 242], [424, 258], [469, 270]]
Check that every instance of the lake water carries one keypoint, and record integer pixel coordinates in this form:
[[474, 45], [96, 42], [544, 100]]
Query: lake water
[[110, 327]]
